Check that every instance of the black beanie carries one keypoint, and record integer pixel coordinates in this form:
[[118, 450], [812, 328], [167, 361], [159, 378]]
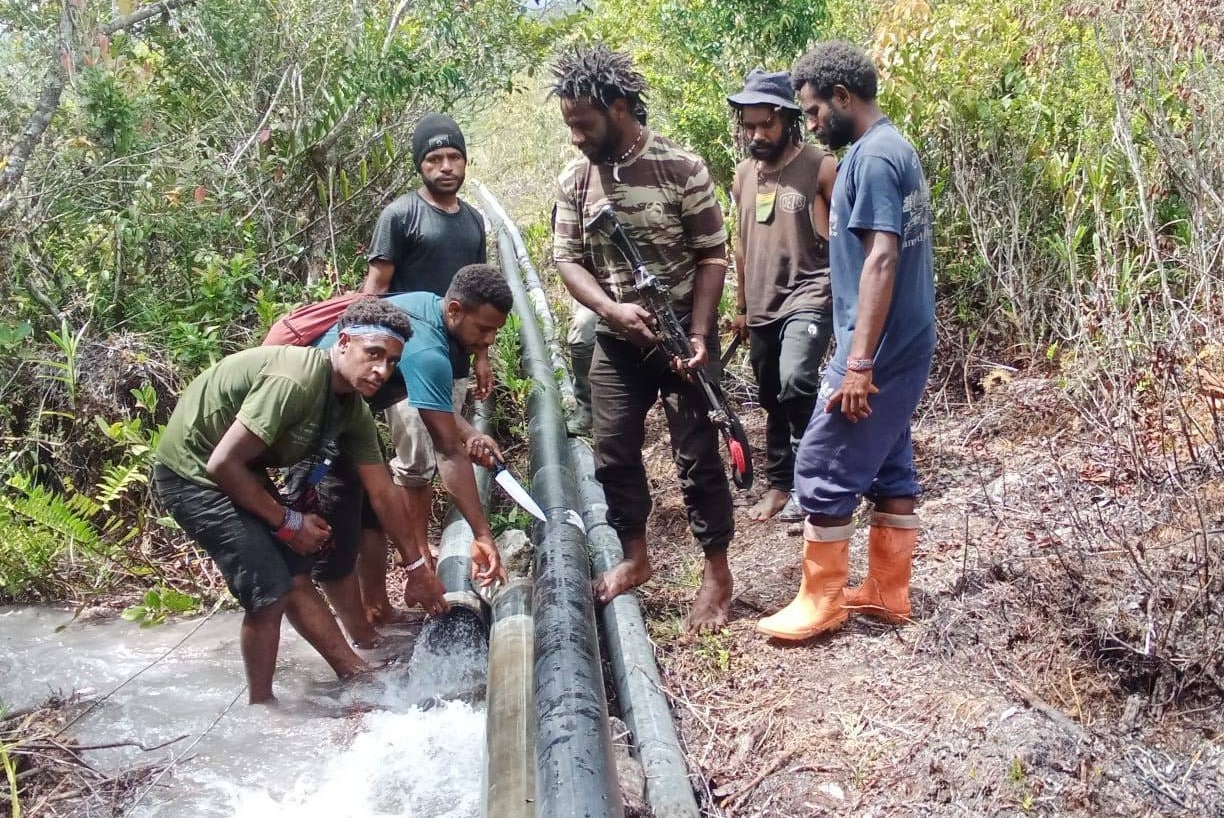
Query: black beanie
[[436, 131]]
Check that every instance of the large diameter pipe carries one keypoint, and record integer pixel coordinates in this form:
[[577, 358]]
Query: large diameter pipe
[[510, 732], [575, 771], [450, 657], [455, 548], [639, 689]]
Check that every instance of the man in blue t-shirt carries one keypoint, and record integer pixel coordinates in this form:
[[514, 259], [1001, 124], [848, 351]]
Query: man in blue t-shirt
[[465, 321], [883, 285]]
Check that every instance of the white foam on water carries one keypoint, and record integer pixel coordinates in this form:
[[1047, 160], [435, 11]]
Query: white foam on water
[[425, 763], [373, 747]]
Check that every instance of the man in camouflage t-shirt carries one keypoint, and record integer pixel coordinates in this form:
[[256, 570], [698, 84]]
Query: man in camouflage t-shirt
[[664, 197]]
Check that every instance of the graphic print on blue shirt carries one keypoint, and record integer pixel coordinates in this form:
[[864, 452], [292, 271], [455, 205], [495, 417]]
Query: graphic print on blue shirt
[[880, 186]]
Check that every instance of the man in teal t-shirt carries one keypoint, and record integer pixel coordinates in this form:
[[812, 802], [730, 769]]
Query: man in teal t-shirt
[[427, 428], [274, 407]]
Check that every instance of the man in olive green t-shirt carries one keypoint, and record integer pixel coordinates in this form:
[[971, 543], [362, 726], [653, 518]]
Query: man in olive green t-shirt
[[277, 407]]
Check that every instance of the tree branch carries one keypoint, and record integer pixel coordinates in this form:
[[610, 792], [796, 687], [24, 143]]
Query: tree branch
[[162, 8], [49, 100], [323, 147]]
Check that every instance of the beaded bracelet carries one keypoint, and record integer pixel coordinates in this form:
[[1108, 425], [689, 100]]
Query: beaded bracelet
[[860, 364], [290, 526]]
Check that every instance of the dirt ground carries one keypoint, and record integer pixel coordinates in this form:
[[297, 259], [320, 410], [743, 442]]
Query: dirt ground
[[997, 699]]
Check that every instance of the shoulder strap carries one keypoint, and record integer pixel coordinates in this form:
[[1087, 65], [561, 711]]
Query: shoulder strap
[[328, 431]]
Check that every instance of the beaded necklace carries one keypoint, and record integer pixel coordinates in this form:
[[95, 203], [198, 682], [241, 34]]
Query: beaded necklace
[[616, 164]]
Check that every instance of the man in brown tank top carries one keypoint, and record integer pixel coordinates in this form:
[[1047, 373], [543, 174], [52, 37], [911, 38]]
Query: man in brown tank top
[[781, 192]]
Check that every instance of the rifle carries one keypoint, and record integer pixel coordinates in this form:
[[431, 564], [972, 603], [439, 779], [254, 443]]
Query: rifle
[[656, 297]]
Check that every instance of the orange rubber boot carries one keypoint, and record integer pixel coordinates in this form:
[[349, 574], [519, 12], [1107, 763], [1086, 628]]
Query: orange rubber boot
[[884, 593], [819, 606]]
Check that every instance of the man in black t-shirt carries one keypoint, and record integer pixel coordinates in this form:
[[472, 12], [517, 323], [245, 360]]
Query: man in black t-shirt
[[420, 241], [424, 237]]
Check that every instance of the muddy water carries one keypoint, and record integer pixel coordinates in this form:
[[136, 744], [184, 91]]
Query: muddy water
[[385, 746]]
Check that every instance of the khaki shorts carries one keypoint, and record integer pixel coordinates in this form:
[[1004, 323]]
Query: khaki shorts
[[415, 462]]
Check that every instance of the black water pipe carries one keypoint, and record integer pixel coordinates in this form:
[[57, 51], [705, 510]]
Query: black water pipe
[[630, 651], [639, 689], [462, 631], [575, 771], [535, 291]]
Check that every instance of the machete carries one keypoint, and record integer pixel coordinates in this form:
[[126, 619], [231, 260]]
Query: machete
[[516, 491]]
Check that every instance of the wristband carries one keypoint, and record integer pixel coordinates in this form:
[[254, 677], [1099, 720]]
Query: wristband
[[417, 563], [289, 526], [859, 365]]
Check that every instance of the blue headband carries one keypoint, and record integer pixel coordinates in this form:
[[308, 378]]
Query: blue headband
[[373, 329]]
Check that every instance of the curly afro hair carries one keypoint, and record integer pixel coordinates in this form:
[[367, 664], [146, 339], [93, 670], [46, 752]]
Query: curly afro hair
[[602, 75], [373, 310], [833, 63], [478, 284]]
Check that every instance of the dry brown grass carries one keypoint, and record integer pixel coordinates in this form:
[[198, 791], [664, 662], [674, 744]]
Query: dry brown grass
[[49, 773], [1024, 686]]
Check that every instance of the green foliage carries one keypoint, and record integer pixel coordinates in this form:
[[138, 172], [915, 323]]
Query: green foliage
[[509, 518], [64, 371], [204, 171], [714, 648], [10, 774], [1046, 132], [79, 536], [13, 334], [695, 52], [29, 560], [160, 603], [512, 387], [110, 116], [66, 517], [240, 150]]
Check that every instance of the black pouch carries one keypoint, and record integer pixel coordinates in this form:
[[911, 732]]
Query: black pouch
[[306, 482]]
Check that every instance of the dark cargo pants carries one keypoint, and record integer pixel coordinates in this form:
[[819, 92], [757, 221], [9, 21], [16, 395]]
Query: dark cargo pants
[[625, 383], [786, 355]]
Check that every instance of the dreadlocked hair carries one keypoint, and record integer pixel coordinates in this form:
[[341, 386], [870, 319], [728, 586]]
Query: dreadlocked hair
[[792, 128], [602, 75]]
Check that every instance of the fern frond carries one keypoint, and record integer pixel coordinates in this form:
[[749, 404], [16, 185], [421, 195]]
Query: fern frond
[[66, 517], [118, 478]]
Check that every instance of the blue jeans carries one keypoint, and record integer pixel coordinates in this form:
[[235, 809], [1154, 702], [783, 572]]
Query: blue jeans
[[840, 462]]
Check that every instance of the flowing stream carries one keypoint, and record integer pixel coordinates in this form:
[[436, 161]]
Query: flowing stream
[[395, 744]]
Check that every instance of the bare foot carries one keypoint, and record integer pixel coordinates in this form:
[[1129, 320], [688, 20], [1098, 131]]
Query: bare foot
[[625, 576], [385, 615], [771, 502], [351, 669], [712, 605]]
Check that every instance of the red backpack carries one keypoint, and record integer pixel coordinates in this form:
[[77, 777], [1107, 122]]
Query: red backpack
[[307, 324]]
